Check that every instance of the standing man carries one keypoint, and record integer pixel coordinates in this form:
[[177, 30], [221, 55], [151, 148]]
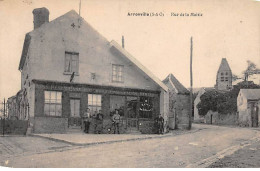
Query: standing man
[[159, 122], [116, 121], [99, 122], [86, 120]]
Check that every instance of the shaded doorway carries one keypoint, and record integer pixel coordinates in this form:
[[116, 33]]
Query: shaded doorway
[[254, 114], [74, 119], [132, 118]]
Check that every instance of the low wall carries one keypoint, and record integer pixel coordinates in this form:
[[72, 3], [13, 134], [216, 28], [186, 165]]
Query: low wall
[[50, 125], [147, 127], [220, 119], [16, 127]]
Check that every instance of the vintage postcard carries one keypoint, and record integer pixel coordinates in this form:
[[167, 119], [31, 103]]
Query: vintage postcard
[[130, 84]]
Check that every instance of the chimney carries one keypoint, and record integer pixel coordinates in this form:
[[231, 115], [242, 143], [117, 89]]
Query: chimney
[[40, 16], [123, 42]]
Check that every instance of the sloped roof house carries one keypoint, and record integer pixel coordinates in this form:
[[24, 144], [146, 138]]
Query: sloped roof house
[[67, 66], [179, 104], [248, 105]]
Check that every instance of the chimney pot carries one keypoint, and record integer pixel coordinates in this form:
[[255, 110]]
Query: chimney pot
[[40, 16]]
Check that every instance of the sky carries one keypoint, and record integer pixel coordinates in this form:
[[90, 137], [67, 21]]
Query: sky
[[227, 29]]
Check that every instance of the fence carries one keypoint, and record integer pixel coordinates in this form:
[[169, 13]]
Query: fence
[[14, 117]]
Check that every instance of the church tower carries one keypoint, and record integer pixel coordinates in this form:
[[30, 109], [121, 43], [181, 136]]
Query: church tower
[[224, 76]]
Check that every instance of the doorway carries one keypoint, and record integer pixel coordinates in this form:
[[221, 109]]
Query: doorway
[[74, 119], [131, 114], [254, 114]]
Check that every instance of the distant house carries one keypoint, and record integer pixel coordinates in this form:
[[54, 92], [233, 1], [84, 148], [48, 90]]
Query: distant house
[[67, 66], [224, 76], [197, 117], [248, 105], [179, 103], [18, 106]]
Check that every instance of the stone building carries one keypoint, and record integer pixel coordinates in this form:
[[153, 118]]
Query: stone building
[[67, 66], [18, 106], [224, 76], [248, 105], [179, 104]]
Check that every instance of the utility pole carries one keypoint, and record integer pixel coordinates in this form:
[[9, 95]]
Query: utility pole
[[4, 120], [191, 83], [79, 7]]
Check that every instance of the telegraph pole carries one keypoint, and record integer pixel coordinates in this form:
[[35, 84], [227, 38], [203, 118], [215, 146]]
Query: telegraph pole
[[4, 120], [191, 83], [79, 7]]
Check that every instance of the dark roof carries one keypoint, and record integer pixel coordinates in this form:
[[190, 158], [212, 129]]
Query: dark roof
[[175, 84], [224, 65]]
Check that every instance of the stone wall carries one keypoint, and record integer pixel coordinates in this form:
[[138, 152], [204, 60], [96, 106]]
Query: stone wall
[[220, 119], [179, 116], [182, 106], [50, 125], [17, 127]]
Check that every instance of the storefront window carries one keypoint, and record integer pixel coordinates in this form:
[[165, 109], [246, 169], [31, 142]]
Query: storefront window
[[146, 107], [94, 102], [52, 103], [131, 104], [117, 103]]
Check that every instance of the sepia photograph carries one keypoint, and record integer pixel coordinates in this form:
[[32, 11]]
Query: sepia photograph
[[130, 84]]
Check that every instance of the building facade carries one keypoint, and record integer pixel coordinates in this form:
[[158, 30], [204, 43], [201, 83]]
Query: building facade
[[224, 76], [67, 66], [179, 104], [248, 105]]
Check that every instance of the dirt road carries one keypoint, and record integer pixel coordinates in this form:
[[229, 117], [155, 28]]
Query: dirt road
[[197, 149]]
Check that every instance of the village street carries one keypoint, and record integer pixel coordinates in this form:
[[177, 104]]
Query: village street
[[200, 147]]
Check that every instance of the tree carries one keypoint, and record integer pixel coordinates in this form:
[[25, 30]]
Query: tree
[[250, 70], [223, 102]]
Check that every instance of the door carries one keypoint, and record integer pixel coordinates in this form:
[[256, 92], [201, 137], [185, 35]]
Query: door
[[131, 114], [74, 119], [254, 114]]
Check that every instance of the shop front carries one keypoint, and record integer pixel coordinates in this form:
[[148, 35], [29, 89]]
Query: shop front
[[59, 106]]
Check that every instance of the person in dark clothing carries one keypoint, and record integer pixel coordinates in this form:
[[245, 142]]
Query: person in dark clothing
[[99, 122], [86, 120], [159, 122], [116, 121]]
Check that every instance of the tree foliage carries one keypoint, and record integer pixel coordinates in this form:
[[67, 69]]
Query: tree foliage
[[223, 102]]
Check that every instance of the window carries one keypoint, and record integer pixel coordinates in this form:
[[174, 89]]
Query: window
[[222, 73], [52, 103], [222, 79], [146, 107], [71, 62], [117, 73], [117, 102], [94, 102], [226, 73], [226, 78]]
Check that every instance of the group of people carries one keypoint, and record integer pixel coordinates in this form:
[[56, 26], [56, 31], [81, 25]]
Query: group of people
[[98, 122], [97, 119]]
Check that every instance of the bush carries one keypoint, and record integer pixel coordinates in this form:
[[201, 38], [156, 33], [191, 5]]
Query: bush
[[221, 101]]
